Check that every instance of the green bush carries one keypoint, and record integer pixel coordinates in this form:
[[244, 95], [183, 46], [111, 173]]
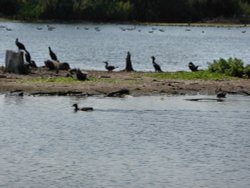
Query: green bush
[[247, 71], [230, 67]]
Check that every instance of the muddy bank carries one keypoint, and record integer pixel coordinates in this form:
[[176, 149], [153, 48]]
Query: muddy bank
[[43, 82]]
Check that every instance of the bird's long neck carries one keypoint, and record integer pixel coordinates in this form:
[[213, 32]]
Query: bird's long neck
[[153, 60], [76, 107]]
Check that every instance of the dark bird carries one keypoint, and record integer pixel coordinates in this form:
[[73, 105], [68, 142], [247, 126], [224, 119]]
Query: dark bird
[[52, 55], [86, 109], [192, 67], [156, 66], [27, 56], [20, 45], [221, 94], [80, 76], [109, 67]]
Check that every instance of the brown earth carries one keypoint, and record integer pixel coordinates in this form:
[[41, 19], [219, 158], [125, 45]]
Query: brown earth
[[105, 82]]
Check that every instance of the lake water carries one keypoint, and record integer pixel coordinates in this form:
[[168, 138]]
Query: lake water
[[160, 141], [86, 46]]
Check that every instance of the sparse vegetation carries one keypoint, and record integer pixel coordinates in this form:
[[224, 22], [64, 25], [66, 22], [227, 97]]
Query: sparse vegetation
[[199, 75]]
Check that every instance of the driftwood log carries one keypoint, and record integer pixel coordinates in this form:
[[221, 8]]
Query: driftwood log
[[56, 65], [14, 62]]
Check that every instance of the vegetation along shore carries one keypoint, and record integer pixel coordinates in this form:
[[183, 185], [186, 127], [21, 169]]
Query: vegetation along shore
[[189, 11]]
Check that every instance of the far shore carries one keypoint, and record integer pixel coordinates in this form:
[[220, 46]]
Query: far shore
[[101, 83], [193, 24]]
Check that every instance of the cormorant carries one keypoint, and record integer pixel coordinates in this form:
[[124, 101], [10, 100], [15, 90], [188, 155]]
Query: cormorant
[[156, 66], [52, 55], [192, 67], [20, 45], [109, 67], [27, 56], [80, 75], [82, 109]]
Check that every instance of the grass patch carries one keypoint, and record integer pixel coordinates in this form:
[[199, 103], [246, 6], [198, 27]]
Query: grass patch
[[51, 80], [199, 75]]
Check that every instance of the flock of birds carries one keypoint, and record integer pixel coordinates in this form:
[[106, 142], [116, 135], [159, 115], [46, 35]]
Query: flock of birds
[[109, 68], [122, 28]]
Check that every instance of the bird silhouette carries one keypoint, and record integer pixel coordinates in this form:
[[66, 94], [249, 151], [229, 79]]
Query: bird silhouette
[[86, 109], [52, 55], [221, 94], [20, 45], [156, 66], [192, 67], [109, 67]]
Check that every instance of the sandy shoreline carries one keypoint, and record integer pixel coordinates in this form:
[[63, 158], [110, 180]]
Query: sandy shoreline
[[102, 83]]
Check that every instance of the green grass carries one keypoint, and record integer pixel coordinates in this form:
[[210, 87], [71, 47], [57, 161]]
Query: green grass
[[199, 75], [51, 80]]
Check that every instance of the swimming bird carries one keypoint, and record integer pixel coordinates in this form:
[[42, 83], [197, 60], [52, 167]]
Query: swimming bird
[[156, 66], [86, 109], [20, 45], [109, 67], [192, 67], [52, 55], [221, 94]]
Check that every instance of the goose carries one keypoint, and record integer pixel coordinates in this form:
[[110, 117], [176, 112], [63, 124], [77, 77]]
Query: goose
[[52, 55], [86, 109], [109, 67], [20, 45], [156, 66]]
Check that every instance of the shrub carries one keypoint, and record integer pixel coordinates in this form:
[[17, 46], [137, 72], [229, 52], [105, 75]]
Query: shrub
[[247, 71], [230, 67]]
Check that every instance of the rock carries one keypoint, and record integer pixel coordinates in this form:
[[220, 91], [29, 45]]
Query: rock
[[119, 93]]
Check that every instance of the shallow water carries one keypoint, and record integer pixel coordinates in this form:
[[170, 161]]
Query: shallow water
[[131, 142], [87, 49]]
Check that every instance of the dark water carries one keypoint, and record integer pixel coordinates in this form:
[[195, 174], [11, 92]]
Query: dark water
[[84, 47], [130, 142]]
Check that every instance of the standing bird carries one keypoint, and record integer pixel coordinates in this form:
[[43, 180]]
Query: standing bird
[[156, 66], [20, 45], [27, 56], [81, 76], [86, 109], [52, 55], [109, 67], [193, 67]]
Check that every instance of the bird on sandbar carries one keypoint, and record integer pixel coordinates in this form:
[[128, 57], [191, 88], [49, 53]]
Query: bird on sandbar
[[86, 109], [20, 45], [193, 67], [109, 67], [52, 55], [156, 66]]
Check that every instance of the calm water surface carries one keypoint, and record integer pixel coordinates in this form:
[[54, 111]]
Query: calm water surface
[[131, 142], [84, 47]]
